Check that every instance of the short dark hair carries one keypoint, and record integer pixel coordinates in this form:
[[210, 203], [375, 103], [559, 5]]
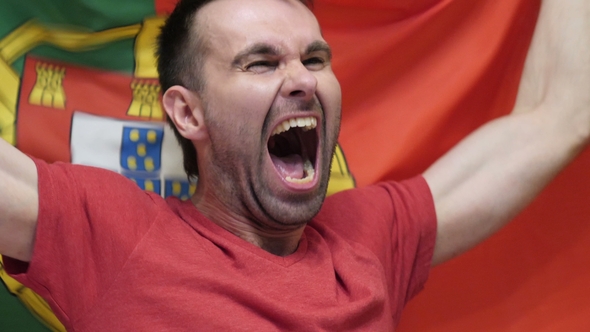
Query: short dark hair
[[180, 61]]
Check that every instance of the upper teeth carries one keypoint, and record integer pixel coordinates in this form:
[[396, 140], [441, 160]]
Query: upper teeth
[[306, 123]]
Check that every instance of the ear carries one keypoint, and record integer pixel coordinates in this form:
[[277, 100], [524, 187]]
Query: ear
[[185, 109]]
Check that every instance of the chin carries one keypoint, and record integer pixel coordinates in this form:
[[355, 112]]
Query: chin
[[297, 210]]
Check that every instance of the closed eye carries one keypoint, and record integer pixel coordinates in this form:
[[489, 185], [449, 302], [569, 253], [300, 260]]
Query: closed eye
[[261, 66], [314, 63]]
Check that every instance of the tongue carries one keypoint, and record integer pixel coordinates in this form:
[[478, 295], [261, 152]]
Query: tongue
[[291, 165]]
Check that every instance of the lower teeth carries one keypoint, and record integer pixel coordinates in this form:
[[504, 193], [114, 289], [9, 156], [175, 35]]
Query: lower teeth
[[307, 170]]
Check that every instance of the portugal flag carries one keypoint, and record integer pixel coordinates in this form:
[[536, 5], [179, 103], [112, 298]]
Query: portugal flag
[[78, 84]]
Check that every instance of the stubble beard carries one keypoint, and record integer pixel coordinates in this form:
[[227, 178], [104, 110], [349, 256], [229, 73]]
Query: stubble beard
[[245, 193]]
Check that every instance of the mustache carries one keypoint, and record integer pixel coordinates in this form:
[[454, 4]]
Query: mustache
[[297, 105]]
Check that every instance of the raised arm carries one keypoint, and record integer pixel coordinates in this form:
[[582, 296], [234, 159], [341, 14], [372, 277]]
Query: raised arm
[[495, 172], [18, 203]]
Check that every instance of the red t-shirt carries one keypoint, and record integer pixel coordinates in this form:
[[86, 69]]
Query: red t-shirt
[[110, 257]]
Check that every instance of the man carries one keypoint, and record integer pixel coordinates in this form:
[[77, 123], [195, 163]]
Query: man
[[249, 86]]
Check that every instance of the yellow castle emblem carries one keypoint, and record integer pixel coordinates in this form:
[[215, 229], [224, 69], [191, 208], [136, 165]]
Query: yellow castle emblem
[[48, 90]]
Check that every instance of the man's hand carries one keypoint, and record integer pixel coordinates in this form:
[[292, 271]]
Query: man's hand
[[19, 205], [495, 172]]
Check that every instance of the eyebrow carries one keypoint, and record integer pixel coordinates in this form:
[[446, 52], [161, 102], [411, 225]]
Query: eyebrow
[[319, 46], [267, 49]]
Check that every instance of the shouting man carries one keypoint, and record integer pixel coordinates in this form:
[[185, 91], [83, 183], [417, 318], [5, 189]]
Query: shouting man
[[255, 105]]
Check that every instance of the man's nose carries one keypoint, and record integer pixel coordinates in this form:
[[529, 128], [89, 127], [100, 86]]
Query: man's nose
[[299, 82]]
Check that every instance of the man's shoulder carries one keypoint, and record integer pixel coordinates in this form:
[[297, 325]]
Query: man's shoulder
[[377, 194], [379, 210]]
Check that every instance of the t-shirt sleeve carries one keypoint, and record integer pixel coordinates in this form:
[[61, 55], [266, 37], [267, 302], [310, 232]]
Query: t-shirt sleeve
[[397, 222], [89, 222]]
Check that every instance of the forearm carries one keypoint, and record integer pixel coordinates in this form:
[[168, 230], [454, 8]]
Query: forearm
[[18, 202], [557, 69], [495, 172]]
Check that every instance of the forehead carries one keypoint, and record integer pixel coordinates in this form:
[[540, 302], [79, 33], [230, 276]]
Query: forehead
[[230, 26]]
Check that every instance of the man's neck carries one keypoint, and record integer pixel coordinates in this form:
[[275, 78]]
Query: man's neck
[[279, 242]]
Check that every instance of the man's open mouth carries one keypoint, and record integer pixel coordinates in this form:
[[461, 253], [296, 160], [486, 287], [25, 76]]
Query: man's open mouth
[[293, 149]]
